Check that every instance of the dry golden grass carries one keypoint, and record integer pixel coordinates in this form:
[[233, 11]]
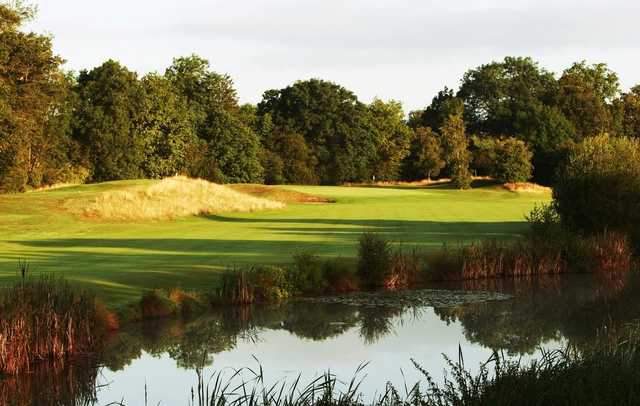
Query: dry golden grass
[[526, 187], [173, 198]]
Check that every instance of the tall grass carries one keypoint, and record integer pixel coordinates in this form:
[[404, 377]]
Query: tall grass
[[172, 198], [44, 319], [381, 265], [603, 253]]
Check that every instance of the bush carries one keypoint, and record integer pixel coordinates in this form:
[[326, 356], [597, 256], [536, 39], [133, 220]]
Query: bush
[[379, 265], [375, 258], [598, 190], [263, 284], [307, 275], [339, 276]]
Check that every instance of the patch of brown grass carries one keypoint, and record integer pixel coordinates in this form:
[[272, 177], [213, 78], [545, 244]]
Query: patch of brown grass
[[173, 198], [278, 194], [526, 187]]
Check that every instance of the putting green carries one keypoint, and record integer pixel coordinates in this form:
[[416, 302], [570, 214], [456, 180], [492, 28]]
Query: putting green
[[119, 260]]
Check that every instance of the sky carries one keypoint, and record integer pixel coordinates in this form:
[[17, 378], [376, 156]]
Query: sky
[[405, 50]]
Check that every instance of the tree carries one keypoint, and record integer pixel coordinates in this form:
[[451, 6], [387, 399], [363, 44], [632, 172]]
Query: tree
[[32, 90], [630, 113], [513, 161], [442, 106], [168, 126], [232, 152], [334, 124], [599, 188], [455, 147], [109, 122], [499, 96], [391, 136], [585, 97], [298, 165], [426, 157], [519, 98]]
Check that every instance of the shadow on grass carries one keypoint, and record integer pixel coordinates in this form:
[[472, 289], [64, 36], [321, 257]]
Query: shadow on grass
[[122, 267]]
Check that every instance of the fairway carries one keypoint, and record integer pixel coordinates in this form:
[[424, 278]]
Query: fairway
[[120, 259]]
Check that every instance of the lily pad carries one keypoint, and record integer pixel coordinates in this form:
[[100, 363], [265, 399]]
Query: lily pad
[[411, 298]]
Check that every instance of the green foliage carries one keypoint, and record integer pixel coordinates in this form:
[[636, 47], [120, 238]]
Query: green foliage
[[585, 96], [168, 127], [375, 258], [289, 158], [599, 188], [513, 161], [260, 284], [455, 148], [232, 152], [109, 122], [32, 99], [519, 98], [391, 136], [544, 220], [444, 104], [307, 276], [629, 104], [426, 158], [335, 126]]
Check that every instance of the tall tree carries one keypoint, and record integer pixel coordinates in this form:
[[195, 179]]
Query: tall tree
[[169, 128], [516, 97], [455, 144], [232, 146], [585, 97], [110, 121], [31, 86], [392, 138], [426, 155], [442, 106], [334, 124], [629, 105]]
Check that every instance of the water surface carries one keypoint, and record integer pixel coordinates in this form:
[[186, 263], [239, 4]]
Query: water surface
[[161, 361]]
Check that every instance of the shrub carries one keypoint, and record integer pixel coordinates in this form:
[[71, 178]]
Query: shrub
[[598, 189], [339, 276], [262, 284], [307, 275], [375, 258], [379, 265]]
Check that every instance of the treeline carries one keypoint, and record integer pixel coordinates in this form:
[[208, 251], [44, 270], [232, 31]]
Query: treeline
[[512, 120]]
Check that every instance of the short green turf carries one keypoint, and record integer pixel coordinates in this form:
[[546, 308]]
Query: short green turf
[[119, 260]]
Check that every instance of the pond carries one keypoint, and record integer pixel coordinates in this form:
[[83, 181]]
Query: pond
[[372, 336]]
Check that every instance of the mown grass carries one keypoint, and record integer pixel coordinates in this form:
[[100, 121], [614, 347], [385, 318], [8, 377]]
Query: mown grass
[[120, 260]]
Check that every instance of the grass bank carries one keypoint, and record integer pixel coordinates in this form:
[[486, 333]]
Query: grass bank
[[119, 260]]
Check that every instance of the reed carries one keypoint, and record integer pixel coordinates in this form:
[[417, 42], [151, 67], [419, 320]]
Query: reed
[[488, 259], [44, 319]]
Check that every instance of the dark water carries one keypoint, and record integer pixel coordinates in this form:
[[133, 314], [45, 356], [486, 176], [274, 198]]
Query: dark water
[[160, 361]]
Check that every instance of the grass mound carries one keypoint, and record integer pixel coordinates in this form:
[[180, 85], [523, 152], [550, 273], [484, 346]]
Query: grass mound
[[173, 198]]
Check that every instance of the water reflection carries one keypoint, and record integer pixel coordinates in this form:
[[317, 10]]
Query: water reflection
[[315, 336]]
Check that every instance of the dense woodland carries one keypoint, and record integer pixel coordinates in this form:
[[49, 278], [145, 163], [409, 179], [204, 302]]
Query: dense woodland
[[512, 120]]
